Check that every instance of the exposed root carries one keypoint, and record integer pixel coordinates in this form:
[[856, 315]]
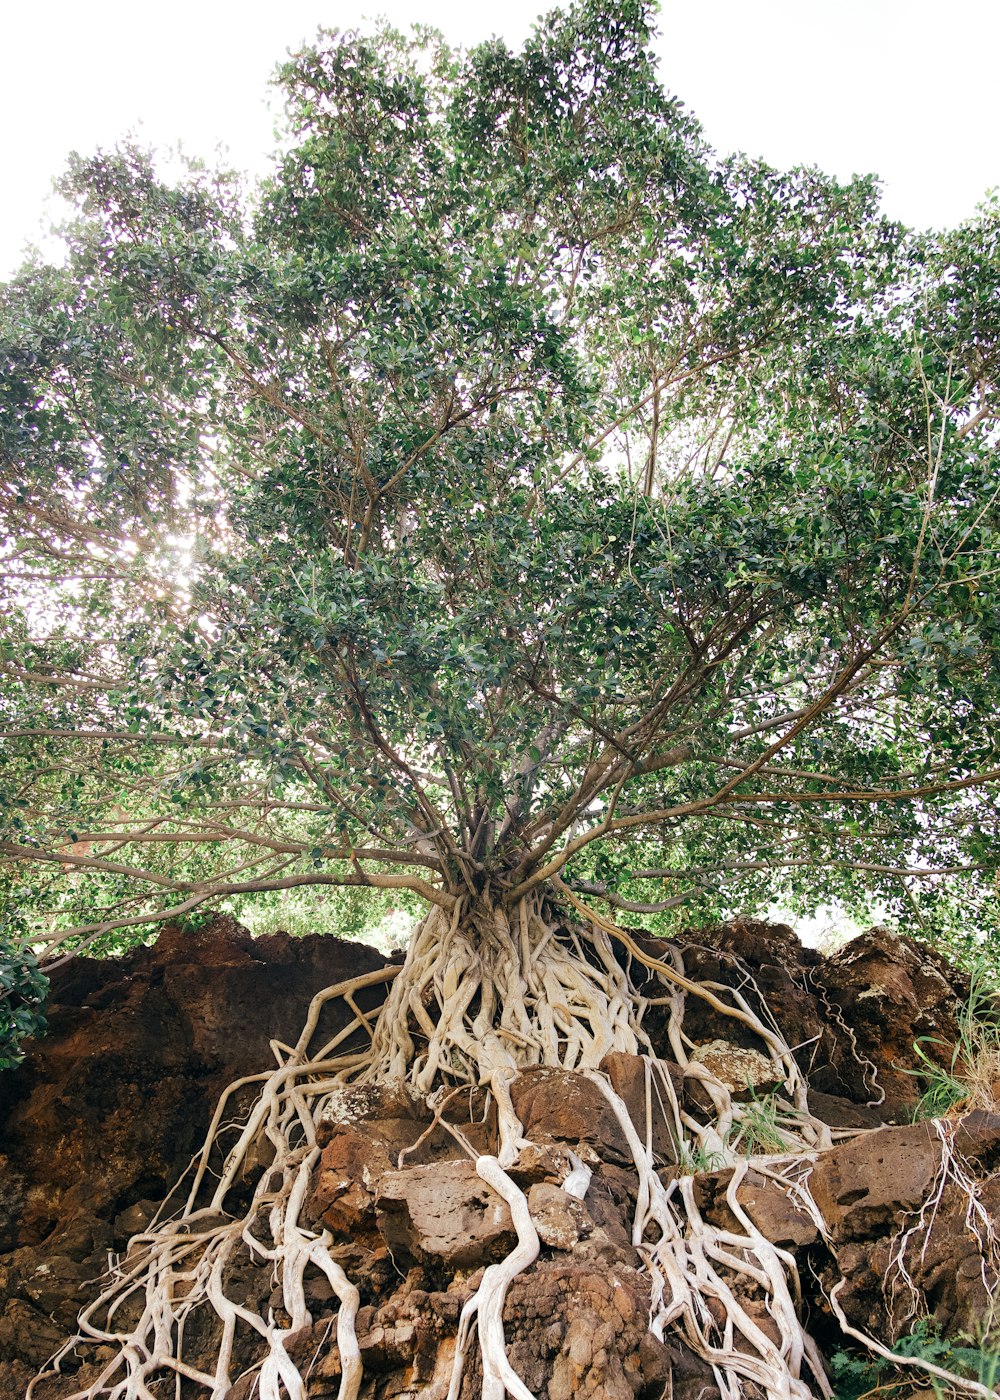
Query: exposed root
[[486, 1304], [952, 1170], [480, 998], [692, 1263], [917, 1362]]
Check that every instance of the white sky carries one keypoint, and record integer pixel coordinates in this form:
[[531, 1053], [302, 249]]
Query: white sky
[[907, 88]]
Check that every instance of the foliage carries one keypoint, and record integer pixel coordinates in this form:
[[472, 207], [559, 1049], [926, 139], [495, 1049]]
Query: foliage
[[757, 1130], [855, 1375], [22, 996], [347, 913], [509, 488]]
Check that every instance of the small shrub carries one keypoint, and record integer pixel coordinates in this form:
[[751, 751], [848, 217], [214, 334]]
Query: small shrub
[[860, 1374]]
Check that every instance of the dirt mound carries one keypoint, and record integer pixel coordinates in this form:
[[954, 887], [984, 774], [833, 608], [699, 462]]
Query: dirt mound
[[107, 1112]]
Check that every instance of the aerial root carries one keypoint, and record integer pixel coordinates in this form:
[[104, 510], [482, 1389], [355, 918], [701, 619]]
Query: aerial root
[[486, 1304], [690, 1263]]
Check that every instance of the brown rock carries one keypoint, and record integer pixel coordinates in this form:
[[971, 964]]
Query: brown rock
[[977, 1140], [770, 965], [535, 1163], [561, 1106], [776, 1216], [107, 1110], [444, 1216], [394, 1102], [947, 1259], [886, 992], [838, 1112], [627, 1074], [349, 1170], [28, 1334], [561, 1220], [863, 1186], [574, 1329]]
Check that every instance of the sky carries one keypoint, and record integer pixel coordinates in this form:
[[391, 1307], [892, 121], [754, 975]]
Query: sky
[[905, 88]]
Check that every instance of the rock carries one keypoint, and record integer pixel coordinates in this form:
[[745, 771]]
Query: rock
[[134, 1220], [852, 1018], [51, 1282], [884, 992], [121, 1089], [576, 1330], [687, 1376], [27, 1334], [740, 1070], [106, 1111], [535, 1163], [347, 1175], [977, 1140], [945, 1262], [443, 1216], [627, 1074], [838, 1112], [13, 1199], [863, 1186], [611, 1201], [560, 1106], [362, 1103], [561, 1220], [775, 1215], [929, 1262], [770, 965]]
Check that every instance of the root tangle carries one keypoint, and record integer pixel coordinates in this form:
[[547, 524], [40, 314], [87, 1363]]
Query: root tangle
[[481, 998]]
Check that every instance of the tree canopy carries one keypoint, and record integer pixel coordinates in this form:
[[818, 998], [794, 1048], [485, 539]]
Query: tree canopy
[[510, 489]]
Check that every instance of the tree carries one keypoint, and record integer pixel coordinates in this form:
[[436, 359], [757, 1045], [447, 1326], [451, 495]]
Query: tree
[[511, 504]]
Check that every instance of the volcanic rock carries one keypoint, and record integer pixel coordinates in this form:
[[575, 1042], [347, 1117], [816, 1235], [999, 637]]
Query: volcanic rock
[[773, 1210], [106, 1112], [561, 1220], [561, 1106], [628, 1075], [444, 1216]]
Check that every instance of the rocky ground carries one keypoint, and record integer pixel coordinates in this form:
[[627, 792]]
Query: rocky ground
[[108, 1110]]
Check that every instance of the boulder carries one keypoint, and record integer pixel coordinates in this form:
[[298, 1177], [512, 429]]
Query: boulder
[[106, 1112], [738, 1068], [561, 1106], [864, 1187], [627, 1074], [349, 1170], [774, 1212], [882, 993], [575, 1329], [912, 1211], [444, 1216], [561, 1220]]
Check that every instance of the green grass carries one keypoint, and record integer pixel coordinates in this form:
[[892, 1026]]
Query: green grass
[[971, 1078]]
